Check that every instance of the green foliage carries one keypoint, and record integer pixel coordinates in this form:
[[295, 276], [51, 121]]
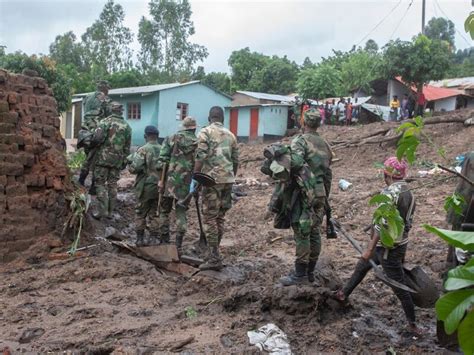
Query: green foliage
[[459, 239], [469, 24], [79, 202], [164, 39], [408, 143], [76, 159], [387, 217], [452, 307], [190, 312], [46, 68], [460, 277], [320, 82], [418, 61], [371, 46], [107, 42], [439, 28], [244, 65], [359, 69], [455, 202], [66, 51], [465, 338], [219, 81]]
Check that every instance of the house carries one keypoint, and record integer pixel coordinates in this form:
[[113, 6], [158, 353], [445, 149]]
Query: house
[[71, 120], [256, 116], [466, 85], [438, 98], [166, 105]]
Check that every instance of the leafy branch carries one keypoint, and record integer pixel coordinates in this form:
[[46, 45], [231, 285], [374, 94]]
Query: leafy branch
[[388, 219], [79, 202]]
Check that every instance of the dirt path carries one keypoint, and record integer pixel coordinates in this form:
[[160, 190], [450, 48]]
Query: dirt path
[[109, 301]]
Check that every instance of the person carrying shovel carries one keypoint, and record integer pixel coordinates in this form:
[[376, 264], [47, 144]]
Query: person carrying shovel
[[177, 156], [390, 259], [217, 155]]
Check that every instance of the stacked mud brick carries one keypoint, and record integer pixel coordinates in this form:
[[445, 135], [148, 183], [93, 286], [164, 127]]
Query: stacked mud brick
[[32, 166]]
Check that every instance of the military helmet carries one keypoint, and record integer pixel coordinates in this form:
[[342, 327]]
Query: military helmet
[[116, 107], [312, 118], [189, 123], [151, 130], [103, 84]]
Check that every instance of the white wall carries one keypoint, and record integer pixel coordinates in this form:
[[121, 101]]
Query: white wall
[[448, 104], [396, 88]]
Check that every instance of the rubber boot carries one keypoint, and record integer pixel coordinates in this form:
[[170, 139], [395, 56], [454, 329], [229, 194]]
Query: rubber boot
[[311, 267], [296, 277], [213, 262], [179, 243], [83, 176], [140, 239]]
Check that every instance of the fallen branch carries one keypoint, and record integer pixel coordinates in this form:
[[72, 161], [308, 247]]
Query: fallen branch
[[465, 178], [180, 344]]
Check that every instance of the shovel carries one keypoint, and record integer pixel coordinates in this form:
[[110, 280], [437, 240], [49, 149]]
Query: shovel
[[377, 269], [206, 181]]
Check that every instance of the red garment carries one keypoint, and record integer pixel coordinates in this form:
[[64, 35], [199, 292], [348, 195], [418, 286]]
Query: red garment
[[421, 99]]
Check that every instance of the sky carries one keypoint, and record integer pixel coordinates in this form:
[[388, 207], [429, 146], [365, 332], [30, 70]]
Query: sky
[[298, 29]]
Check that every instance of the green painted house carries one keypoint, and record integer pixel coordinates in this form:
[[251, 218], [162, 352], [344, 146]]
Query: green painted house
[[166, 105]]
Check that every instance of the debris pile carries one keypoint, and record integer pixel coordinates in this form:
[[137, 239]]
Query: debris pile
[[32, 165]]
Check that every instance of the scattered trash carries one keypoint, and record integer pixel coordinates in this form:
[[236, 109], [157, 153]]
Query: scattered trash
[[460, 160], [354, 334], [344, 185], [271, 339]]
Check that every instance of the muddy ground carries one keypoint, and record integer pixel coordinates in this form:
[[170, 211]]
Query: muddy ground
[[109, 301]]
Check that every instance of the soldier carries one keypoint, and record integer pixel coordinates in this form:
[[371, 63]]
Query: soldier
[[114, 137], [309, 149], [96, 108], [145, 164], [178, 155], [217, 155]]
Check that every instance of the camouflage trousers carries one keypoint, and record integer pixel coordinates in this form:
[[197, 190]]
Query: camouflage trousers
[[106, 186], [307, 232], [164, 220], [144, 210], [216, 200]]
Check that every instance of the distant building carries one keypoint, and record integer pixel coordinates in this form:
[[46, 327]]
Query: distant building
[[71, 119], [466, 85], [165, 106]]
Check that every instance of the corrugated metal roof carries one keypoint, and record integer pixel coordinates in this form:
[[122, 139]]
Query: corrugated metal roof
[[261, 105], [264, 96], [433, 93], [455, 82]]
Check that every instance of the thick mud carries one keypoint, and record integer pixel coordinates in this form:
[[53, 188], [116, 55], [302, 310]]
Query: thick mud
[[108, 301]]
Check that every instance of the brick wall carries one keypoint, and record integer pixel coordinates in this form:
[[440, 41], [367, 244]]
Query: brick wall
[[32, 165]]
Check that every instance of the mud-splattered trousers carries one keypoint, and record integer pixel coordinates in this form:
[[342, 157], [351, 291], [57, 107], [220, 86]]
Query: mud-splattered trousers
[[392, 264], [216, 200], [106, 187], [146, 209], [307, 232], [167, 204]]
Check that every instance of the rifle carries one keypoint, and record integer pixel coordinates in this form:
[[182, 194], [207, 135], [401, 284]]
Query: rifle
[[161, 189]]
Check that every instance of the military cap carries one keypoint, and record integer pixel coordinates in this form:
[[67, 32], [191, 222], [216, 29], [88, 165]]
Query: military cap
[[151, 130], [103, 84], [216, 112], [116, 106], [312, 118], [189, 122]]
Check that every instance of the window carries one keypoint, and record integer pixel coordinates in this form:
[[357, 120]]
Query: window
[[134, 110], [181, 111]]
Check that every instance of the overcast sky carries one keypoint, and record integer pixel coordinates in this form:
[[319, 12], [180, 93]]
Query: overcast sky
[[295, 28]]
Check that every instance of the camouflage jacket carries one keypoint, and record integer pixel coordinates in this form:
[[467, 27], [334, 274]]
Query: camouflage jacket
[[146, 165], [96, 108], [313, 150], [115, 136], [178, 152], [218, 151]]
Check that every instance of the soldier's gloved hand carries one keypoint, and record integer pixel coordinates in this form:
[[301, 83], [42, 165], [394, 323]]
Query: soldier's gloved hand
[[193, 186]]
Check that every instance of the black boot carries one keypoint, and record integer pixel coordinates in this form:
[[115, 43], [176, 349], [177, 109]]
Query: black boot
[[296, 277], [179, 243], [311, 267], [213, 262], [140, 239], [83, 176]]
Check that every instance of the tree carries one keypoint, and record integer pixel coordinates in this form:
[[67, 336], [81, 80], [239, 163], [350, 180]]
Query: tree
[[164, 39], [46, 68], [244, 65], [371, 46], [65, 50], [106, 42], [219, 81], [320, 82], [441, 29], [359, 69], [277, 76], [418, 61], [127, 78], [307, 63]]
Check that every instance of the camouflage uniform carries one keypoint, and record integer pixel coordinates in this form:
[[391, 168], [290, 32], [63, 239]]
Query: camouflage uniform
[[115, 136], [96, 108], [218, 151], [178, 153], [310, 160], [145, 164]]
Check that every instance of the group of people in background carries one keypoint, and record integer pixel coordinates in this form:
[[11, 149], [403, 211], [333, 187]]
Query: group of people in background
[[341, 112], [408, 107]]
